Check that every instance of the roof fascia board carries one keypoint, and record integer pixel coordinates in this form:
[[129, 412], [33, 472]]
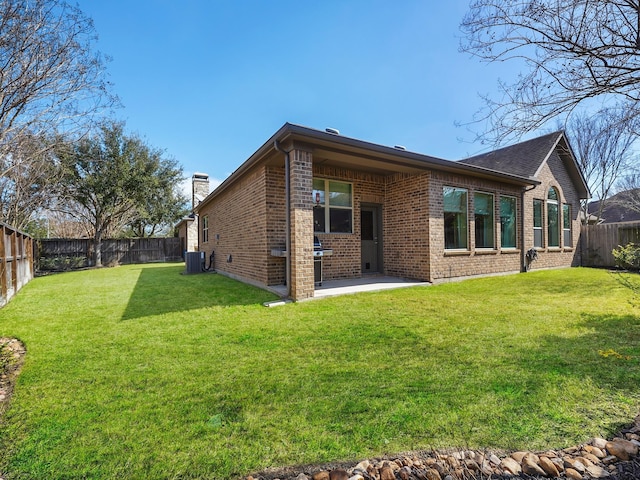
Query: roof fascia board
[[574, 163], [395, 156], [546, 158], [308, 137], [577, 168]]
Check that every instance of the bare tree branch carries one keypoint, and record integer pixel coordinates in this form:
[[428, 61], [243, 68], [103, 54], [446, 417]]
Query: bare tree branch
[[51, 80], [574, 51], [604, 146]]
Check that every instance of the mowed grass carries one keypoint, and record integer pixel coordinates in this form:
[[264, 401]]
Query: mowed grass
[[140, 372]]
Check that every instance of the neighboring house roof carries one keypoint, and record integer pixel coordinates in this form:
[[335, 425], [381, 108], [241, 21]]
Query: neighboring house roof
[[526, 158], [339, 150], [187, 219], [615, 210]]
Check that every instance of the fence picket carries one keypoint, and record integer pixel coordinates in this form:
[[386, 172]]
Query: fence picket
[[16, 261], [65, 254], [600, 240]]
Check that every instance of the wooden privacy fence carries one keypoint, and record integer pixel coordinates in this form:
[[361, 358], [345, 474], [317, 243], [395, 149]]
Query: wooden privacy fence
[[16, 261], [68, 254], [598, 241]]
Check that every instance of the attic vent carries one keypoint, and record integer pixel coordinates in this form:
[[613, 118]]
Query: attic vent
[[335, 131], [400, 147]]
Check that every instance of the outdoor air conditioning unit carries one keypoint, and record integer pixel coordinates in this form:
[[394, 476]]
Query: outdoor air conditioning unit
[[194, 262]]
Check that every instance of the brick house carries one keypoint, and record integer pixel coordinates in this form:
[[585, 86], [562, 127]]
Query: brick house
[[386, 210]]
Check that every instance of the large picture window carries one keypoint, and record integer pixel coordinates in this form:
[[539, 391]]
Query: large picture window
[[537, 223], [553, 218], [508, 222], [455, 218], [483, 216], [566, 225], [333, 206]]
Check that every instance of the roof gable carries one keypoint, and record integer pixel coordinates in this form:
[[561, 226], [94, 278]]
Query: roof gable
[[526, 159]]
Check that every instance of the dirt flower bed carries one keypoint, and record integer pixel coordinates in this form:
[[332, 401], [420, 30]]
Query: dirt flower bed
[[12, 354]]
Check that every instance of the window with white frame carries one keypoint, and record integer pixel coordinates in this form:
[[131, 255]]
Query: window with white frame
[[537, 223], [508, 226], [483, 217], [566, 225], [553, 218], [455, 218], [333, 206], [205, 228]]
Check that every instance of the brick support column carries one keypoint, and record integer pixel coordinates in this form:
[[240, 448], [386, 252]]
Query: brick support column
[[301, 176]]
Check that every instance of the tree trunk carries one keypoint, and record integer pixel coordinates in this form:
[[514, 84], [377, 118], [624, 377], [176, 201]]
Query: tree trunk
[[97, 248]]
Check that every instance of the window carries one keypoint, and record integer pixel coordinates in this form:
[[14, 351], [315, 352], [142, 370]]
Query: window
[[205, 228], [483, 211], [553, 218], [566, 225], [507, 222], [455, 218], [333, 207], [537, 223]]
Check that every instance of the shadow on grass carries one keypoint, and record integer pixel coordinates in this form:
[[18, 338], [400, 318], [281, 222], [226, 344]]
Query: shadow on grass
[[606, 355], [161, 290]]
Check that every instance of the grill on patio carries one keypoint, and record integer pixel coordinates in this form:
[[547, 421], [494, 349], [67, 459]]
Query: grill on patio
[[318, 254]]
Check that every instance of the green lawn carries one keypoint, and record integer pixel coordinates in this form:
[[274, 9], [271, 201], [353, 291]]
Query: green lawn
[[140, 372]]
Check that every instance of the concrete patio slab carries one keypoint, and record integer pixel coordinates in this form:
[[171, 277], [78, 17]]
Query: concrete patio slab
[[365, 284]]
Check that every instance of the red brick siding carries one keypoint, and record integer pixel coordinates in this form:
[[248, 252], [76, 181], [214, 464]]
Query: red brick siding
[[276, 224], [346, 259], [237, 228], [406, 226], [446, 265], [301, 176], [554, 174]]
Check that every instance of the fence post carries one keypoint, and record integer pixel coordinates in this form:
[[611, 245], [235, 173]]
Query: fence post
[[3, 265]]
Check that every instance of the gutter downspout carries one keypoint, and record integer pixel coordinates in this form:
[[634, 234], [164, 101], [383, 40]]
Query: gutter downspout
[[523, 250], [287, 195]]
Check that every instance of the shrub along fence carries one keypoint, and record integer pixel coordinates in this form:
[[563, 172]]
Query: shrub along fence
[[68, 254], [16, 261], [600, 240]]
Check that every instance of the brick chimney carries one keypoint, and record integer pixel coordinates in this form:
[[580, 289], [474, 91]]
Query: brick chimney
[[199, 188]]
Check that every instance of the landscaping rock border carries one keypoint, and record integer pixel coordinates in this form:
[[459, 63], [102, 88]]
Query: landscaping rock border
[[614, 459]]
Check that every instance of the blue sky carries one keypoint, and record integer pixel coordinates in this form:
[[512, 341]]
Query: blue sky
[[210, 81]]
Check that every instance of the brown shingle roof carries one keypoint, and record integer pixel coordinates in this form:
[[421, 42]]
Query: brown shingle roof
[[522, 159], [615, 210]]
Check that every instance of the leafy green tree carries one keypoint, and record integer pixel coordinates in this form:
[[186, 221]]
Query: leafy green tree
[[109, 178], [164, 206]]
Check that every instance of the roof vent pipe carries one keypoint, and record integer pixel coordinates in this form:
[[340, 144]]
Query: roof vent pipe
[[335, 131]]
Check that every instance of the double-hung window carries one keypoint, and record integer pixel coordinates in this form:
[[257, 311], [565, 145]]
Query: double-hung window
[[455, 218], [537, 223], [483, 211], [553, 218], [566, 225], [508, 229], [333, 206], [205, 228]]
